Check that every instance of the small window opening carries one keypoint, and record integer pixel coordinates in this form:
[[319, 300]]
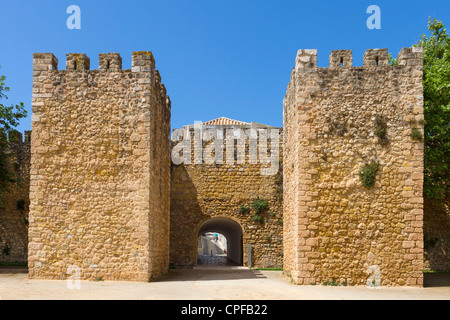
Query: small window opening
[[341, 62], [108, 64], [74, 65], [376, 61]]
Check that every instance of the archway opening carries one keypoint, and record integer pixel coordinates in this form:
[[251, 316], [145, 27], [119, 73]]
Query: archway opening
[[212, 248], [219, 242]]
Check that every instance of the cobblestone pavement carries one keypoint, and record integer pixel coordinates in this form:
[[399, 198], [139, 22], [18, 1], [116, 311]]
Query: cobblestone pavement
[[216, 260]]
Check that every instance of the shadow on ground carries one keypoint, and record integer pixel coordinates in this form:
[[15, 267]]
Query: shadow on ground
[[434, 280], [212, 273], [13, 269]]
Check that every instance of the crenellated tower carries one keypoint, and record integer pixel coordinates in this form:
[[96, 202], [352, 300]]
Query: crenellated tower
[[100, 169], [344, 126]]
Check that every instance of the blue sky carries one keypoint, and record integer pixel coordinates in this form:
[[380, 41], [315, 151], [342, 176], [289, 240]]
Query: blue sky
[[216, 58]]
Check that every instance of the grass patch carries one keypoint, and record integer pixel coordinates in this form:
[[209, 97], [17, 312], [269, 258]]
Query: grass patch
[[381, 129], [98, 279], [258, 218], [416, 135], [259, 205], [13, 264], [243, 209], [368, 174]]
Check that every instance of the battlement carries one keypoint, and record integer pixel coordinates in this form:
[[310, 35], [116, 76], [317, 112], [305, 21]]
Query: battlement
[[47, 77], [142, 61], [332, 119], [16, 138], [307, 58], [105, 129]]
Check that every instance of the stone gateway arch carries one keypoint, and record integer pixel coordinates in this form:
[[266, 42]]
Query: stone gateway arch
[[344, 203]]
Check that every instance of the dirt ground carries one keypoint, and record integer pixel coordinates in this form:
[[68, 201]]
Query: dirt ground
[[206, 283]]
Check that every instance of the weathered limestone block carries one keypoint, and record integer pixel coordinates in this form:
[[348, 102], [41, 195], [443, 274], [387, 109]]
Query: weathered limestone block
[[341, 58]]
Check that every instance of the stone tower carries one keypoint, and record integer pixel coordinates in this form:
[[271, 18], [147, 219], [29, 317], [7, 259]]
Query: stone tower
[[100, 169], [340, 122]]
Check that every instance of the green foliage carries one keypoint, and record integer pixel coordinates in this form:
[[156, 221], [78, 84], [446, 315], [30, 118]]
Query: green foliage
[[14, 264], [368, 174], [258, 218], [6, 176], [429, 243], [416, 135], [259, 205], [436, 81], [392, 61], [9, 115], [331, 283], [6, 251], [9, 119], [243, 209], [381, 129], [20, 205]]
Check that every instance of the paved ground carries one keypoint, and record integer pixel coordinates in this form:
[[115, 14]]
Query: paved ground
[[215, 260], [210, 283]]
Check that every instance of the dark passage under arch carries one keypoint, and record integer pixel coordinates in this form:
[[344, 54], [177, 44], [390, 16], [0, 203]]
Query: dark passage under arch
[[233, 233]]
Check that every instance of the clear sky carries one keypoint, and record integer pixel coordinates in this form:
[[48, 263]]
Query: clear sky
[[216, 58]]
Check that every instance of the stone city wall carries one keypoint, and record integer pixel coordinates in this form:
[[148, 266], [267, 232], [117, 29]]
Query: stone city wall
[[202, 191], [345, 126], [15, 201]]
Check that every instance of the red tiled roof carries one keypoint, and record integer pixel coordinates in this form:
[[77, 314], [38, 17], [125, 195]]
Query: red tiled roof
[[222, 121]]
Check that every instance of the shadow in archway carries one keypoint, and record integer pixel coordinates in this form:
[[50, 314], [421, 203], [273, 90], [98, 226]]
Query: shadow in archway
[[225, 228], [434, 280], [13, 269]]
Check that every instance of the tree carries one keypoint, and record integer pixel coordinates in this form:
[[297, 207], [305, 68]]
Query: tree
[[436, 82], [9, 119]]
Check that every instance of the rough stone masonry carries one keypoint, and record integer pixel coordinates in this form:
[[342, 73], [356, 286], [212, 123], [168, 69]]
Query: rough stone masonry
[[100, 167], [203, 193], [337, 121], [100, 183]]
